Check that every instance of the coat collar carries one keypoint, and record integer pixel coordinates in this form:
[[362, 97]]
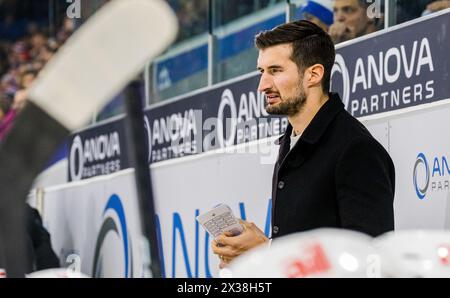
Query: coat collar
[[319, 123]]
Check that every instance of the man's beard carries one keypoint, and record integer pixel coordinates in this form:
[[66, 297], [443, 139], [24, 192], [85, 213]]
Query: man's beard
[[288, 106]]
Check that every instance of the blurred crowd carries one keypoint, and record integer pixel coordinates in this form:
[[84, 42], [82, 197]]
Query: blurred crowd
[[20, 63], [343, 19], [193, 14], [348, 19]]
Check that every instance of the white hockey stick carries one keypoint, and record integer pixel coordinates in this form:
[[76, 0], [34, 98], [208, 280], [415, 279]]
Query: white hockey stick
[[96, 63]]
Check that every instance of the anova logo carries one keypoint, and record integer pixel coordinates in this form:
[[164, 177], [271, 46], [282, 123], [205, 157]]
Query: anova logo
[[172, 135], [148, 132], [107, 251], [379, 82], [340, 67], [433, 174], [237, 120], [96, 155]]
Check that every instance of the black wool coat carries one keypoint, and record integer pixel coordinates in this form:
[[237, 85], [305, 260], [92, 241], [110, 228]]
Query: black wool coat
[[337, 175]]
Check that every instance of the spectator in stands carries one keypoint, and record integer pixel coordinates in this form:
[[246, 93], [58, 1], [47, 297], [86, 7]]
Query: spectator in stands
[[27, 78], [408, 10], [5, 105], [20, 53], [38, 41], [66, 30], [192, 16], [40, 253], [351, 20], [436, 6], [319, 12], [20, 99], [46, 53], [20, 64]]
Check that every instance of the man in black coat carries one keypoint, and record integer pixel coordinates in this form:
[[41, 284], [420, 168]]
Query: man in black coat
[[40, 252], [330, 171]]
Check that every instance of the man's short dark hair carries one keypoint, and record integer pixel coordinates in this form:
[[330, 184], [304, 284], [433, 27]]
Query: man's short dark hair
[[310, 45]]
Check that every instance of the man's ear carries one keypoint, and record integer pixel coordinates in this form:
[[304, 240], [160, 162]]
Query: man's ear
[[314, 75]]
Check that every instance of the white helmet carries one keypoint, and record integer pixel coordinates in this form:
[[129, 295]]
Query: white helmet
[[411, 253], [317, 253]]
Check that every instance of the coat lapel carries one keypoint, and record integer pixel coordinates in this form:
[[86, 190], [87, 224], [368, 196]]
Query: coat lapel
[[308, 141]]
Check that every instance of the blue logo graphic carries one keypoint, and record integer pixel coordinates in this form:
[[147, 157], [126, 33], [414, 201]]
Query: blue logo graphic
[[109, 225], [421, 192]]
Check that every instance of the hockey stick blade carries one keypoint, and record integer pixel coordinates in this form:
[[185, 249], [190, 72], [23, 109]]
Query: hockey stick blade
[[96, 63]]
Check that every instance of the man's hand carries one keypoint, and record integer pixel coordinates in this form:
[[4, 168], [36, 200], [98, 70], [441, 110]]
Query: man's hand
[[340, 32], [228, 247], [438, 5]]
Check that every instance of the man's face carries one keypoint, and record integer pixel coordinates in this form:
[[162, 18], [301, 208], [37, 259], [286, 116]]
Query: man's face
[[351, 14], [280, 80]]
